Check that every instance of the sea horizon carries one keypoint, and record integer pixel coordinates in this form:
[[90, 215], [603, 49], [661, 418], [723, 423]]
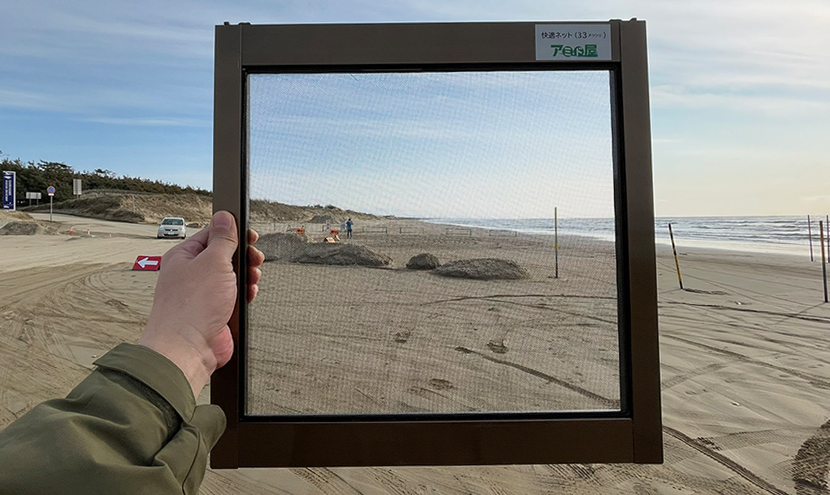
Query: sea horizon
[[782, 234]]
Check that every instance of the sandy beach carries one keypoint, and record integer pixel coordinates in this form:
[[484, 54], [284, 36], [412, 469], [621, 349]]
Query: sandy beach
[[388, 340], [745, 352]]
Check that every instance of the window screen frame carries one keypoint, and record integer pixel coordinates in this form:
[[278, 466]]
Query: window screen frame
[[633, 434]]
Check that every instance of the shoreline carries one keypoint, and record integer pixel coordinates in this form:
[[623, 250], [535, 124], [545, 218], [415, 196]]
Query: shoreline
[[800, 248], [755, 248]]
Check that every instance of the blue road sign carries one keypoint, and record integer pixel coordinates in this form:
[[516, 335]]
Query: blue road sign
[[50, 190], [9, 190]]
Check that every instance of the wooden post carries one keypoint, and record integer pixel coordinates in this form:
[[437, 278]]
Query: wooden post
[[823, 258], [676, 263], [556, 241], [810, 236]]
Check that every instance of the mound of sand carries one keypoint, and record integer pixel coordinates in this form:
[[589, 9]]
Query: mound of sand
[[115, 208], [281, 246], [423, 261], [266, 211], [483, 269], [324, 219], [191, 207], [16, 227], [340, 254], [14, 215]]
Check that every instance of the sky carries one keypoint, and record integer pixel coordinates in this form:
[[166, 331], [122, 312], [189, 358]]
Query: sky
[[437, 145], [740, 91]]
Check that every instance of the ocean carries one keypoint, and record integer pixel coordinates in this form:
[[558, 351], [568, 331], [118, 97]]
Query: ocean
[[771, 234]]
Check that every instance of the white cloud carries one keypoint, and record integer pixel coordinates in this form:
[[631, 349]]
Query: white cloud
[[10, 98], [704, 47], [156, 121], [670, 96]]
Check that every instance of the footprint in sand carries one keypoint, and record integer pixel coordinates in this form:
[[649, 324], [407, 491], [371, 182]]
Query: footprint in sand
[[497, 346], [117, 304], [440, 384]]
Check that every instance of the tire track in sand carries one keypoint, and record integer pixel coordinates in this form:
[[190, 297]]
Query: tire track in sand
[[725, 461], [811, 464], [682, 377], [24, 290], [812, 379], [605, 401], [40, 281], [326, 481]]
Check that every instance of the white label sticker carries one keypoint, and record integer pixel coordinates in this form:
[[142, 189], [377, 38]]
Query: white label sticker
[[573, 42]]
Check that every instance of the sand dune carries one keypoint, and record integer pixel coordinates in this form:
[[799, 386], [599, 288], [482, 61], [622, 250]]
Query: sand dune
[[745, 359]]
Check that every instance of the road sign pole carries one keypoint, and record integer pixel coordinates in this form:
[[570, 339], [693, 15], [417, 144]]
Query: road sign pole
[[51, 192]]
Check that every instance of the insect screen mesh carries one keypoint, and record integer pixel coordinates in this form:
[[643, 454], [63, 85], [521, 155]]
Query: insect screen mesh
[[410, 223]]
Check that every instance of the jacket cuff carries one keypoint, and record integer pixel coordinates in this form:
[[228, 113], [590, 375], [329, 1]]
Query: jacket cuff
[[155, 371]]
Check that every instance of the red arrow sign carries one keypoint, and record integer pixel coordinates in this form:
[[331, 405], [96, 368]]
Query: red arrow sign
[[149, 263]]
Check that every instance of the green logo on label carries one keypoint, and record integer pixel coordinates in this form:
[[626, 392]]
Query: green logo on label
[[575, 51]]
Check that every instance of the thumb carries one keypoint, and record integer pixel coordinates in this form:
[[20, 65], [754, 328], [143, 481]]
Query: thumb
[[223, 237]]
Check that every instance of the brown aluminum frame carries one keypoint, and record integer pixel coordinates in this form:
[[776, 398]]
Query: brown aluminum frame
[[632, 434]]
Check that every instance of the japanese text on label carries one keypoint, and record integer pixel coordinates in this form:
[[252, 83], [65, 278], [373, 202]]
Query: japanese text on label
[[573, 41]]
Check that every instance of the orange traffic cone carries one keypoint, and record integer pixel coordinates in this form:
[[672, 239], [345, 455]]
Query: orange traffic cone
[[70, 229]]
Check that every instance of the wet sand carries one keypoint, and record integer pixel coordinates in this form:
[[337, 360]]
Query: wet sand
[[745, 365]]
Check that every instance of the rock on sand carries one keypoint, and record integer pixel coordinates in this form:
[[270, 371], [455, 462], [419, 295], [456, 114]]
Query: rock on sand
[[26, 228], [281, 246], [483, 269], [423, 261], [340, 254]]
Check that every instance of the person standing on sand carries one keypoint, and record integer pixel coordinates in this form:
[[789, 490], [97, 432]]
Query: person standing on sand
[[133, 426], [349, 228]]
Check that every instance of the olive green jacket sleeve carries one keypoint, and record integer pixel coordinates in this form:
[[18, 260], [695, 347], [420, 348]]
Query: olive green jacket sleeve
[[131, 427]]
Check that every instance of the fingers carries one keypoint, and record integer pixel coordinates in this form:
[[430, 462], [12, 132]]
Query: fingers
[[222, 236], [194, 244], [253, 290], [254, 275], [255, 257]]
